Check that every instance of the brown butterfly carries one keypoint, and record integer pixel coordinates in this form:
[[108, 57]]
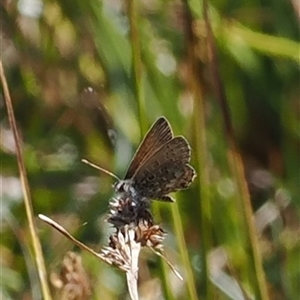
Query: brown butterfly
[[160, 166]]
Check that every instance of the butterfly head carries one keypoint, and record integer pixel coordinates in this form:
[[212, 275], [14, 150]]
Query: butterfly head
[[124, 187], [121, 186]]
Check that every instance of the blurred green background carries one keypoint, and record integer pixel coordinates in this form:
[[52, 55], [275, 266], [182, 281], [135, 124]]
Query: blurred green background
[[69, 69]]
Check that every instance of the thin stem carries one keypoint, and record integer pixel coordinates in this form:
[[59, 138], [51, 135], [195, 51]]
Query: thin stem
[[236, 164], [137, 64], [39, 259], [64, 232], [196, 87], [190, 281]]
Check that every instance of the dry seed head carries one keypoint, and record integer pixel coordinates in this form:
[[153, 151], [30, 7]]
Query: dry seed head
[[72, 282]]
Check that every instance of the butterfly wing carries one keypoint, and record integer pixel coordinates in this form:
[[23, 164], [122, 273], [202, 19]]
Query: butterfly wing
[[166, 171], [159, 134]]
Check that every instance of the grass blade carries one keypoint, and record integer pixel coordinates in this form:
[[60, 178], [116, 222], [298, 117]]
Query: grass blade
[[39, 259]]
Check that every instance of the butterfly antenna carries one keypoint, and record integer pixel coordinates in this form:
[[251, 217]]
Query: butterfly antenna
[[101, 169]]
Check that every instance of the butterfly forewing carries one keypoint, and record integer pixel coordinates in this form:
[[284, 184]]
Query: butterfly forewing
[[166, 171], [158, 135]]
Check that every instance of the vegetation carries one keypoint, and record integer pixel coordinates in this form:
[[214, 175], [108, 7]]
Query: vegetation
[[87, 79]]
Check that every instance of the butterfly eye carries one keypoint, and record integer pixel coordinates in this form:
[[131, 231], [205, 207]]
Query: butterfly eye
[[119, 186]]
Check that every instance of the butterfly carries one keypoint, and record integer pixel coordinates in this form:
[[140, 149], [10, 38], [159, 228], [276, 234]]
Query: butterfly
[[160, 166]]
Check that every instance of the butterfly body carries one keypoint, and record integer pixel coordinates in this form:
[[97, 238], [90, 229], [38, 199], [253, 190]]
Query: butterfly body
[[159, 167], [125, 189]]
